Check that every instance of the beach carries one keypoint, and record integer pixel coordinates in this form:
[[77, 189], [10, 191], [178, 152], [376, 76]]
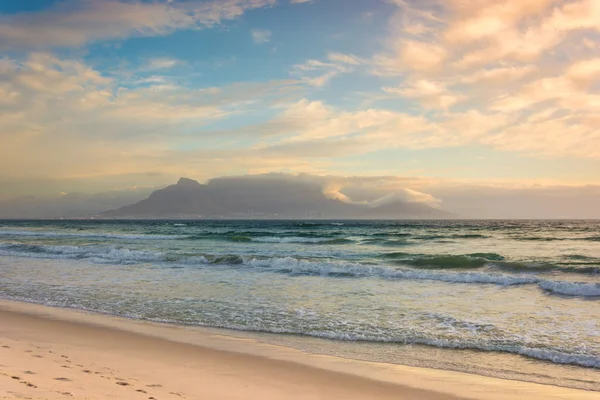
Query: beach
[[51, 353]]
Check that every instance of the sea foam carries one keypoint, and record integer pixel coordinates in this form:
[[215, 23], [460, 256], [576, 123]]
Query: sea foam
[[90, 235], [587, 289], [293, 266]]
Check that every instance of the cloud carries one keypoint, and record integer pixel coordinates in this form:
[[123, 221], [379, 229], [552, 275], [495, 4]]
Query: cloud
[[430, 94], [64, 119], [513, 77], [70, 204], [74, 23], [498, 75], [334, 187], [344, 58], [260, 36], [510, 201], [162, 63], [526, 70], [318, 73], [411, 55], [585, 71]]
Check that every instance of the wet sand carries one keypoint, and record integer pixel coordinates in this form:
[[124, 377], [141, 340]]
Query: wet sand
[[48, 353]]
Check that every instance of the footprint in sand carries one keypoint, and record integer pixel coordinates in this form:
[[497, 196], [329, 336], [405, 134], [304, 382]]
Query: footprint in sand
[[6, 347], [154, 385], [29, 384], [122, 383], [63, 379], [29, 372], [141, 391]]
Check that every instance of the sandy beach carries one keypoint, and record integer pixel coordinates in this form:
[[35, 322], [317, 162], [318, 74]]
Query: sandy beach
[[48, 353]]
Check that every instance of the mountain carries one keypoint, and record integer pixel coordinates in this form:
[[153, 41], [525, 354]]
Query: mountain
[[404, 210], [261, 198]]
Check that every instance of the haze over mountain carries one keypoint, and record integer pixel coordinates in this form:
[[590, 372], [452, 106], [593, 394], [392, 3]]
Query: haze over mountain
[[264, 193], [265, 197]]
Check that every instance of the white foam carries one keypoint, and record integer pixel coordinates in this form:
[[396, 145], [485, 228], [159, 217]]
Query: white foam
[[98, 254], [468, 277], [295, 266], [553, 355], [88, 235], [571, 288], [299, 266]]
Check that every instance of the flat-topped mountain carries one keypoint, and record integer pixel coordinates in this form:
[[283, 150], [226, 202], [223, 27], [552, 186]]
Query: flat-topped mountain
[[256, 198]]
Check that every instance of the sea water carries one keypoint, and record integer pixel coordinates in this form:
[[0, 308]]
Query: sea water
[[516, 299]]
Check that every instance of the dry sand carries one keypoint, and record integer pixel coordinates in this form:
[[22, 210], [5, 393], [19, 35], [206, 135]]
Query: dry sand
[[48, 353]]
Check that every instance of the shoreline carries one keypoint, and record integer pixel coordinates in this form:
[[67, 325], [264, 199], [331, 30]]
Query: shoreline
[[488, 364], [125, 357]]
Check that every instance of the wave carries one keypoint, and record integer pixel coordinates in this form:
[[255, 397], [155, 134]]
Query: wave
[[593, 269], [580, 264], [539, 238], [294, 266], [550, 239], [580, 257], [386, 242], [100, 254], [473, 260], [453, 236], [89, 235], [585, 289], [448, 261], [470, 236], [554, 355], [306, 240], [297, 266], [391, 234]]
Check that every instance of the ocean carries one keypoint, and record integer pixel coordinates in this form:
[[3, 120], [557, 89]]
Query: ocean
[[514, 299]]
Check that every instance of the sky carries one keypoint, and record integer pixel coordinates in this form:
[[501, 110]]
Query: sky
[[465, 101]]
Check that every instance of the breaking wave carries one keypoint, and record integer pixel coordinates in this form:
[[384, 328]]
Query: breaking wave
[[306, 240], [310, 267], [90, 235], [585, 289]]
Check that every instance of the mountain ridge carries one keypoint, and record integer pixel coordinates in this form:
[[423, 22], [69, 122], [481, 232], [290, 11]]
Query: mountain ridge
[[262, 199]]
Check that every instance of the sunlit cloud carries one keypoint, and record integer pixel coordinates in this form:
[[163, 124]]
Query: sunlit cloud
[[318, 73], [75, 23]]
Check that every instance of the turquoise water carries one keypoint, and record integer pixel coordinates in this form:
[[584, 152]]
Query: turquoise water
[[530, 288]]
